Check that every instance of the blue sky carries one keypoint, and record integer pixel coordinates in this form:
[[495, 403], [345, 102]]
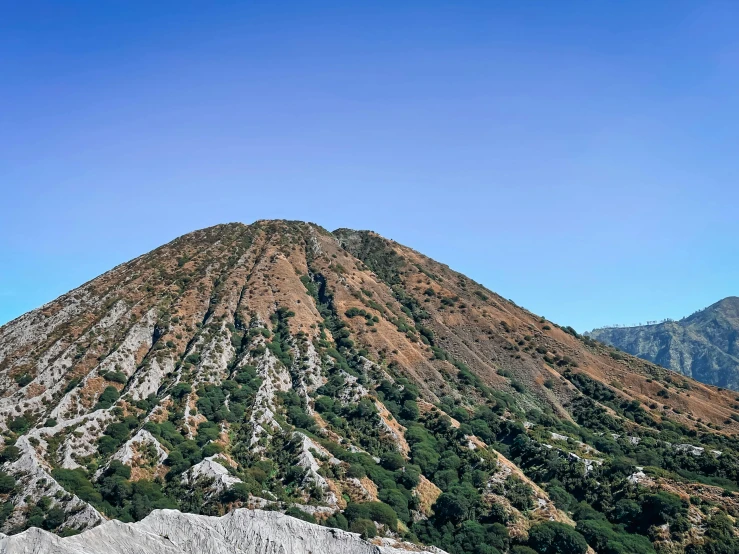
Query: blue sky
[[579, 157]]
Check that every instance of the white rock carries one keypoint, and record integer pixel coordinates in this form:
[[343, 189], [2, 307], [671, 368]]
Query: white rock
[[171, 532], [209, 469]]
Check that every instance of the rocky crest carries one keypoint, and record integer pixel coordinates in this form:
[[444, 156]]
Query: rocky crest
[[170, 532]]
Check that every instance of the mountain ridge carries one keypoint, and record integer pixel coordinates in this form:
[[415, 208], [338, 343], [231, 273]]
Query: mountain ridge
[[703, 345], [345, 379]]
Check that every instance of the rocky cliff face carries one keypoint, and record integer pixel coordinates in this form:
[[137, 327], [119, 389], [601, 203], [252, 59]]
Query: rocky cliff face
[[704, 346], [342, 379]]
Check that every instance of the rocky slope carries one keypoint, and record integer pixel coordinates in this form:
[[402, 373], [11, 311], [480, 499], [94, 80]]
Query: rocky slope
[[344, 379], [704, 346]]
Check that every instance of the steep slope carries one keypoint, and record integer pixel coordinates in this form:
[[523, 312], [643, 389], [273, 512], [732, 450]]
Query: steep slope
[[345, 379], [704, 346]]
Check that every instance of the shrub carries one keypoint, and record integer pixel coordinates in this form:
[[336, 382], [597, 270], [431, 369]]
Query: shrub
[[365, 527], [107, 398], [553, 537], [300, 514], [606, 539], [356, 471], [392, 461], [54, 518], [238, 492], [19, 424], [451, 507], [116, 377], [374, 511], [10, 454], [7, 483]]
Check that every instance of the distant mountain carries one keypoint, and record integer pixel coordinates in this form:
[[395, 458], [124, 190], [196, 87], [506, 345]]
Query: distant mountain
[[278, 369], [704, 346]]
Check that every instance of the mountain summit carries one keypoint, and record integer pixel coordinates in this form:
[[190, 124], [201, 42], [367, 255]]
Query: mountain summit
[[344, 379], [704, 346]]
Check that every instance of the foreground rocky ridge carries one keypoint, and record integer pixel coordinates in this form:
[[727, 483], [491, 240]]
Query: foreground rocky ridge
[[344, 379], [704, 346], [170, 532]]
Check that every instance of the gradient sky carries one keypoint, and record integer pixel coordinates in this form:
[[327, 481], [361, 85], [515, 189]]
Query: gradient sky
[[580, 158]]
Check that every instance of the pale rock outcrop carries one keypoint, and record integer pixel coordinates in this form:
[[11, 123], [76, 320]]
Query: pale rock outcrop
[[215, 474], [34, 477], [274, 378], [171, 532], [308, 461], [147, 381]]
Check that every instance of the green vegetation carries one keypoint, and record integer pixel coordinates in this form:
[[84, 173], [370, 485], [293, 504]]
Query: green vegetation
[[108, 397]]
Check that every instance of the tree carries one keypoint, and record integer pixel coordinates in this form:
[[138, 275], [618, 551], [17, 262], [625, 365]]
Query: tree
[[10, 454], [553, 537], [451, 507], [300, 514], [606, 539], [108, 398], [410, 410], [7, 483], [392, 461], [659, 508], [365, 527], [180, 390]]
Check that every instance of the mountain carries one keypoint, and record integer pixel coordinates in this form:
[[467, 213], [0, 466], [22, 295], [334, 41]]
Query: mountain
[[704, 346], [346, 380]]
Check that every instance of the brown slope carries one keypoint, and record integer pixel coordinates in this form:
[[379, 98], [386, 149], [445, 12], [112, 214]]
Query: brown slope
[[489, 333]]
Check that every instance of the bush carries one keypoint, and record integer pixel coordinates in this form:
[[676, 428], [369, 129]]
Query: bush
[[7, 483], [10, 454], [54, 518], [392, 461], [107, 399], [365, 527], [356, 471], [338, 521], [19, 424], [606, 539], [519, 493], [180, 390], [553, 537], [375, 511], [116, 377], [238, 492], [660, 508], [300, 514], [76, 481], [451, 507]]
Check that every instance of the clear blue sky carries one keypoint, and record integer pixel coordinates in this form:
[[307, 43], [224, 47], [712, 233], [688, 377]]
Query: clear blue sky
[[577, 157]]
